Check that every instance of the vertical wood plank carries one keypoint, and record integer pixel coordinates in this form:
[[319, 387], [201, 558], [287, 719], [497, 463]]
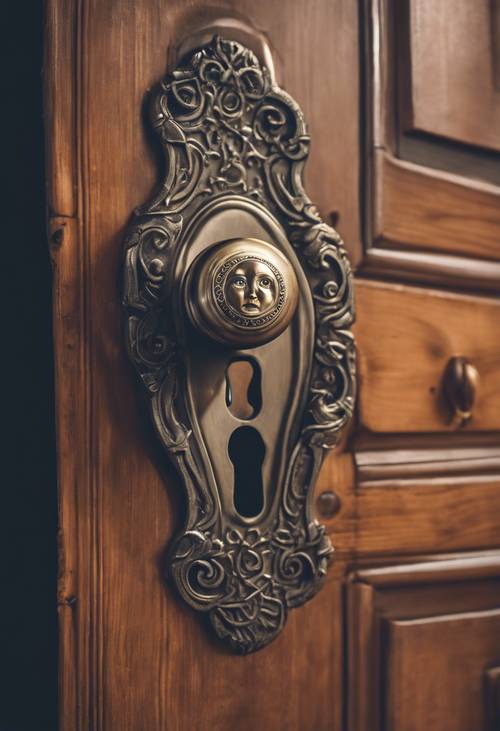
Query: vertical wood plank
[[60, 50], [133, 656]]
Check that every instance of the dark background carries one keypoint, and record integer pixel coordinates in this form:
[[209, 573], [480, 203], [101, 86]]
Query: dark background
[[28, 619]]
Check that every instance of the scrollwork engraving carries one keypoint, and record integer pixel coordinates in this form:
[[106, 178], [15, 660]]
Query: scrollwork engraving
[[225, 129]]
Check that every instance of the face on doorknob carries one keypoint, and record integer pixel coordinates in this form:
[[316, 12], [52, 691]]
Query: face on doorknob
[[241, 292], [252, 288]]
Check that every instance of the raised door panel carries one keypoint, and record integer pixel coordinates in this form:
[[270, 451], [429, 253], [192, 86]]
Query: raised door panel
[[436, 668], [432, 177], [402, 370], [424, 642], [408, 496], [427, 209], [452, 85]]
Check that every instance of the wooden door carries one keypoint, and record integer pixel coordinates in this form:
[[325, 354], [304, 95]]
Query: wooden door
[[402, 101]]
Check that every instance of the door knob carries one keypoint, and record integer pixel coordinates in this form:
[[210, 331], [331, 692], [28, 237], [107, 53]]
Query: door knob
[[241, 292], [461, 380], [238, 304]]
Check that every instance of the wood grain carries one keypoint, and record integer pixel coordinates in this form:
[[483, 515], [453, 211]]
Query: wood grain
[[481, 566], [133, 656], [427, 502], [443, 270], [453, 92], [75, 530], [419, 642], [427, 206], [428, 514], [410, 463], [430, 210], [401, 369], [59, 106], [457, 648]]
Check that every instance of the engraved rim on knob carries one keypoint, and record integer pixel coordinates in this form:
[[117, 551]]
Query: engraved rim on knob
[[241, 292]]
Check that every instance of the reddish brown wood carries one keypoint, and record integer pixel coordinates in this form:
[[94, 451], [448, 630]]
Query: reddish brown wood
[[387, 464], [443, 270], [420, 637], [133, 658], [426, 500], [401, 370], [447, 655], [74, 511], [425, 209], [495, 40], [59, 106], [453, 91], [431, 209]]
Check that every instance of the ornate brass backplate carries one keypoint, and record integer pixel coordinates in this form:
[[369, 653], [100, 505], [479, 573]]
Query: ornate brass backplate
[[230, 264]]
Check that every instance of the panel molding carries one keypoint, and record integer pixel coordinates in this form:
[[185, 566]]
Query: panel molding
[[460, 568], [384, 596], [445, 652], [393, 468], [414, 247], [492, 683], [407, 500]]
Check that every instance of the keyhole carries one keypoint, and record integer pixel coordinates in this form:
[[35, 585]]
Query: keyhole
[[246, 451], [243, 388]]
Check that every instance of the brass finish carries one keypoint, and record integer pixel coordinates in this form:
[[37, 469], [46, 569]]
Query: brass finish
[[460, 381], [230, 262], [241, 292]]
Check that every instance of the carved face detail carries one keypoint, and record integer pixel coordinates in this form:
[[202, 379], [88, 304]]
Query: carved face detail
[[241, 292], [251, 288]]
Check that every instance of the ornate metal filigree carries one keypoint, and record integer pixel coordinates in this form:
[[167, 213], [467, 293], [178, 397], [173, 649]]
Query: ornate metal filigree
[[227, 131]]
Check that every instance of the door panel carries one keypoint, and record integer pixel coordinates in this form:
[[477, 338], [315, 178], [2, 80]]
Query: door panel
[[403, 368], [397, 498], [433, 630], [432, 212], [420, 219], [446, 84], [132, 655], [425, 210], [436, 670]]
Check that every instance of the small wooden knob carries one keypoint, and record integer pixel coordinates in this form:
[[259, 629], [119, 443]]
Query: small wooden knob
[[328, 504], [461, 381]]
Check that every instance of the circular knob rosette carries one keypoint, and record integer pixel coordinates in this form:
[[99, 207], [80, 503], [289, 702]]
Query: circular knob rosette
[[241, 292]]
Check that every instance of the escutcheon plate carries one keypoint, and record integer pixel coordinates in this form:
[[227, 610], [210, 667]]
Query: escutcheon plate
[[235, 146]]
